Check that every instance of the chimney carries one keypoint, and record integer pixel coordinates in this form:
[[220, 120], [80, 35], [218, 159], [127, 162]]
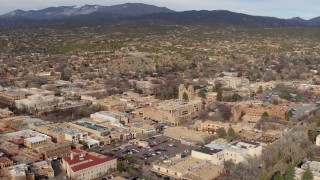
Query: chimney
[[71, 156]]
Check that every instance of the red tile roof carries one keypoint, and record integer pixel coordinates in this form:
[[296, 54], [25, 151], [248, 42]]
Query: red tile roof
[[87, 160], [4, 159]]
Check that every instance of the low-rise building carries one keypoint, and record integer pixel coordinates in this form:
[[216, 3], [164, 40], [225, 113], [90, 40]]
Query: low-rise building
[[57, 150], [29, 138], [5, 162], [41, 170], [257, 111], [188, 168], [38, 102], [183, 133], [31, 155], [9, 147], [83, 165], [90, 127], [61, 132], [17, 172], [10, 96], [144, 129], [114, 118], [213, 126], [6, 113], [172, 112], [220, 151]]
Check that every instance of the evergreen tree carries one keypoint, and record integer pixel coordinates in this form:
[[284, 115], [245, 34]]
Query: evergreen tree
[[222, 133], [313, 134], [265, 114], [185, 96], [202, 94], [120, 167], [307, 175], [219, 95], [288, 115], [290, 173], [260, 90], [231, 132]]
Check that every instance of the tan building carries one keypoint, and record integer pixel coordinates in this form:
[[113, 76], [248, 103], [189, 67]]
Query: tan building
[[9, 97], [190, 90], [31, 155], [144, 129], [272, 110], [29, 138], [182, 133], [188, 168], [213, 126], [5, 162], [61, 132], [172, 112], [233, 82], [57, 150], [83, 165], [39, 170], [6, 113], [8, 147], [105, 133], [90, 127]]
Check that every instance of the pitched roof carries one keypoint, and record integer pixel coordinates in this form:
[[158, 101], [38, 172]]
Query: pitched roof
[[87, 160]]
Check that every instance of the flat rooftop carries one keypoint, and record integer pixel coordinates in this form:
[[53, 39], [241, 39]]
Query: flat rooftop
[[91, 126], [28, 134]]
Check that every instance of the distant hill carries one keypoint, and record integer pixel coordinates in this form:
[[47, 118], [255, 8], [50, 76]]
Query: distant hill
[[223, 17], [137, 11], [65, 12]]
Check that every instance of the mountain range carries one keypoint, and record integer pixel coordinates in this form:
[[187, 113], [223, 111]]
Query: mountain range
[[138, 11]]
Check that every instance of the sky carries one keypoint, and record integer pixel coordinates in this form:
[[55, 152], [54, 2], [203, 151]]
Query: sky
[[306, 9]]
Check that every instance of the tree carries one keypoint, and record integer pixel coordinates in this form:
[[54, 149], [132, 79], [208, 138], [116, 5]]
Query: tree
[[219, 95], [260, 90], [289, 173], [307, 175], [66, 74], [222, 133], [120, 167], [85, 145], [202, 94], [231, 132], [185, 96], [224, 111], [313, 134], [277, 177], [275, 102], [265, 114], [288, 114], [127, 157]]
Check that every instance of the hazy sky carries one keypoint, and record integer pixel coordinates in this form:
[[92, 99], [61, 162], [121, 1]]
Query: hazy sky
[[278, 8]]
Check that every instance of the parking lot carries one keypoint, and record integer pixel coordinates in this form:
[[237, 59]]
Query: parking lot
[[160, 148]]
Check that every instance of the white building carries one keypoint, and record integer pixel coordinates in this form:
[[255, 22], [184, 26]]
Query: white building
[[17, 172], [113, 118], [218, 152], [38, 102]]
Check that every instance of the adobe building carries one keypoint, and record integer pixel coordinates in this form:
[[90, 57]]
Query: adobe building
[[191, 91]]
